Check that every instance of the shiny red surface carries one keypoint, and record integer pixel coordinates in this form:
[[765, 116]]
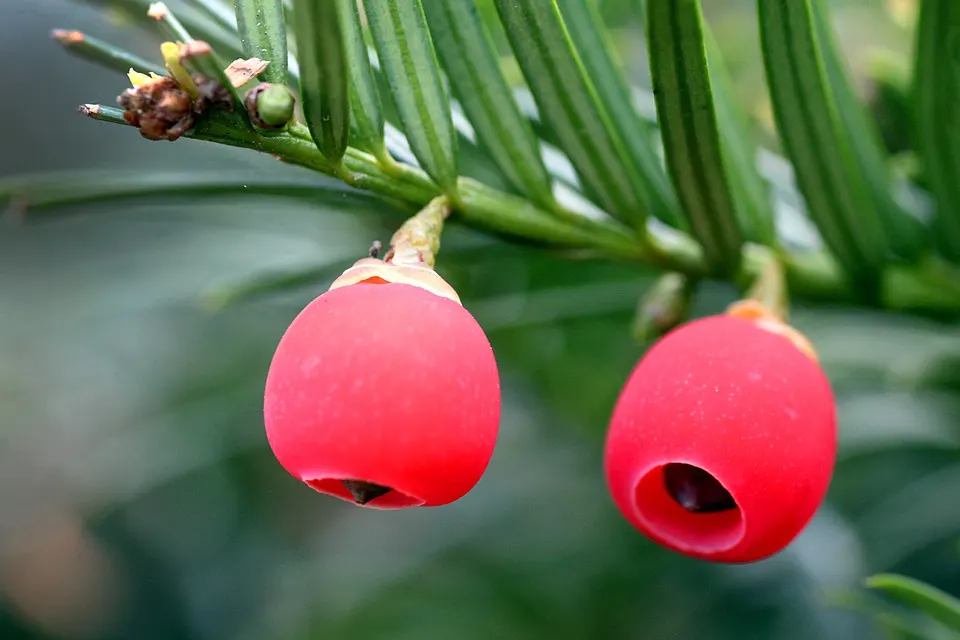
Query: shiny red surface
[[745, 405], [385, 383]]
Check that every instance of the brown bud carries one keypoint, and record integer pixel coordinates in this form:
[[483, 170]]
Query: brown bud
[[164, 110], [160, 109]]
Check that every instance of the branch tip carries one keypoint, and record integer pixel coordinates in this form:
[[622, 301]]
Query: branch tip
[[90, 110], [158, 11], [67, 38]]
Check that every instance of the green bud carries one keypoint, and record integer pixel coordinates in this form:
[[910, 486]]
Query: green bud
[[664, 306], [270, 106]]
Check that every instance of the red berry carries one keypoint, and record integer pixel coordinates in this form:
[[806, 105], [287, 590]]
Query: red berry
[[384, 393], [723, 441]]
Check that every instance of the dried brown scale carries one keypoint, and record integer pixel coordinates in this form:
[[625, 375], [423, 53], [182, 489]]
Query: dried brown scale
[[241, 71], [160, 109], [212, 94], [163, 110]]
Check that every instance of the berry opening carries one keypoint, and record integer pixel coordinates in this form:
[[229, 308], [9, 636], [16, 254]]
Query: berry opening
[[696, 490], [689, 508], [364, 493]]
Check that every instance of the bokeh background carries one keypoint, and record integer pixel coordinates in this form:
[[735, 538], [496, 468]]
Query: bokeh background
[[139, 499]]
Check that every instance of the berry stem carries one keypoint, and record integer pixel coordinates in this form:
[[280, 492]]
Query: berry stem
[[769, 288], [766, 304], [417, 241]]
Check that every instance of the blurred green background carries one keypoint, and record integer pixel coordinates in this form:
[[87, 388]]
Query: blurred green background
[[140, 499]]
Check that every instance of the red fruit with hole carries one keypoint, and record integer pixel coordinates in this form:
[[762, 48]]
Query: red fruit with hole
[[384, 394], [723, 441]]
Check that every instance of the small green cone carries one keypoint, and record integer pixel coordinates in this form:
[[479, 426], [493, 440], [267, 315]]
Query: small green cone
[[664, 306], [270, 106]]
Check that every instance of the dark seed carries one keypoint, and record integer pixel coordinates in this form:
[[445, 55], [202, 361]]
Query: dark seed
[[696, 490], [364, 492]]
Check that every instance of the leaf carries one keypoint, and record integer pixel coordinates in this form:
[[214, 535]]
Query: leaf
[[751, 195], [569, 104], [550, 306], [921, 521], [323, 75], [467, 53], [198, 54], [40, 192], [219, 12], [409, 63], [263, 34], [272, 282], [482, 206], [936, 96], [939, 370], [136, 12], [103, 53], [904, 233], [366, 108], [322, 274], [940, 606], [688, 126], [935, 287], [509, 214], [590, 39], [829, 178], [896, 626]]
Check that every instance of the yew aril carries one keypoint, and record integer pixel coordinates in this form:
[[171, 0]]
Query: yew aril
[[723, 441], [383, 393]]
